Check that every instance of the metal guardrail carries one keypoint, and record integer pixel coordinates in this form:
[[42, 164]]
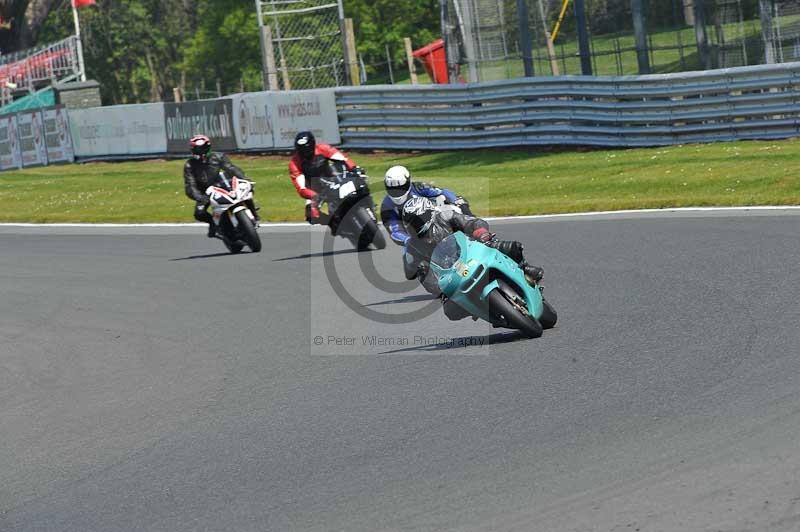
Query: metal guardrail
[[760, 102]]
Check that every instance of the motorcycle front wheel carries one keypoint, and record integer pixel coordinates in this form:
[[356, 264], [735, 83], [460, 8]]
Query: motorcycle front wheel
[[248, 231], [370, 232], [505, 312]]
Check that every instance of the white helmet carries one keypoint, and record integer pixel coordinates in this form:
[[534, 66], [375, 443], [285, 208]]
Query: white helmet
[[398, 183]]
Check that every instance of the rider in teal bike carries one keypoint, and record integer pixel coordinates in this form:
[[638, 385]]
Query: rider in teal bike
[[429, 223]]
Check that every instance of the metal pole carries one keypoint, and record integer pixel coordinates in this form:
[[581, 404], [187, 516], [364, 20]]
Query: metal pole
[[700, 34], [525, 38], [583, 38], [445, 39], [284, 69], [450, 42], [466, 23], [262, 41], [640, 31], [345, 55], [389, 62], [79, 43], [767, 30]]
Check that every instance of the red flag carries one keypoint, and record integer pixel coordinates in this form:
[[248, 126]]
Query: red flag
[[82, 3]]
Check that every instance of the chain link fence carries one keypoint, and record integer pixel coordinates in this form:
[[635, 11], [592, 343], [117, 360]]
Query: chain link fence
[[304, 44], [677, 36]]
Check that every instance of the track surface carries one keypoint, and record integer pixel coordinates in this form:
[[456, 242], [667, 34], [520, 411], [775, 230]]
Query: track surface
[[150, 382]]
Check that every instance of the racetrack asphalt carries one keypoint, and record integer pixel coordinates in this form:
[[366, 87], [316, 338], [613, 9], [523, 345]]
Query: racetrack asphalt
[[149, 381]]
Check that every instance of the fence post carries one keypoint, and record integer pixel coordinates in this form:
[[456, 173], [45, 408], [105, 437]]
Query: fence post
[[389, 63], [767, 33], [412, 70], [700, 34], [270, 71], [688, 12], [352, 58], [583, 38], [450, 44], [525, 45], [640, 31], [551, 50]]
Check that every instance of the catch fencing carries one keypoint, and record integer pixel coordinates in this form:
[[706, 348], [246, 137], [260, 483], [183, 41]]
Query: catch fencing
[[761, 102]]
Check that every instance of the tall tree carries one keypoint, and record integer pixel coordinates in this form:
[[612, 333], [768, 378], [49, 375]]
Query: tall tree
[[134, 48], [22, 20]]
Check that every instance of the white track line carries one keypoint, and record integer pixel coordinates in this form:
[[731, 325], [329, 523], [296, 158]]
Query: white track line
[[268, 225]]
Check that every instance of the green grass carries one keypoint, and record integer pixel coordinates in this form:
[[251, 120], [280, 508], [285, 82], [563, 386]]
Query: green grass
[[497, 182]]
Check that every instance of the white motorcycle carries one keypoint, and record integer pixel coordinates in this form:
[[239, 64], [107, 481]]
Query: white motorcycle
[[232, 208]]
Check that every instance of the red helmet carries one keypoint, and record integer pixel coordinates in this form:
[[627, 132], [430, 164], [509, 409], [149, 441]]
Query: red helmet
[[200, 146]]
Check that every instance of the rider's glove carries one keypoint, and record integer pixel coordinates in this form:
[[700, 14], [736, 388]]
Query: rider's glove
[[510, 248], [204, 199], [359, 170], [482, 235], [460, 201]]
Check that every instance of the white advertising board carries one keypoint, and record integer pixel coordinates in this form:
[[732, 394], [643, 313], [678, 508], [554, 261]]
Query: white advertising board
[[118, 130], [30, 128], [10, 155], [56, 135], [272, 119]]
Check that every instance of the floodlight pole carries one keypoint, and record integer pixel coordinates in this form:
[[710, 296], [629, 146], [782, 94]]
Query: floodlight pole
[[79, 43]]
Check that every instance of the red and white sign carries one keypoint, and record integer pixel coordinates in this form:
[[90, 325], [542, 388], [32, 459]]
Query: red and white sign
[[10, 156], [30, 130], [57, 137]]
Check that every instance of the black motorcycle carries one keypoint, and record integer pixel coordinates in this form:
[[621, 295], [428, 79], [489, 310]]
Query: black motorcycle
[[350, 206]]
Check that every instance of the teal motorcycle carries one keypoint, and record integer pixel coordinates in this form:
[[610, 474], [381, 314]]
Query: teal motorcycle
[[489, 285]]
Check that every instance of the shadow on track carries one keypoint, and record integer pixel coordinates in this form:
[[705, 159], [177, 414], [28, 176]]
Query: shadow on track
[[209, 256], [407, 299], [322, 254], [461, 343]]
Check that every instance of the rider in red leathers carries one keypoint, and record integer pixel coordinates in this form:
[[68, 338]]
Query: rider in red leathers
[[306, 167]]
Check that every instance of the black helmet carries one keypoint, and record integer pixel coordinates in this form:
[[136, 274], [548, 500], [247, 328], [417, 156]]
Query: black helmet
[[418, 215], [305, 144], [200, 146]]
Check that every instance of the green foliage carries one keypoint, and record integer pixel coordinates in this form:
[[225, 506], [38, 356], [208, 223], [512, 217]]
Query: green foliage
[[386, 22], [132, 47], [225, 46]]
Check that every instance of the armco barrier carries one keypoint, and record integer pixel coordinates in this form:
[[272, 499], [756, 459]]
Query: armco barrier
[[741, 103]]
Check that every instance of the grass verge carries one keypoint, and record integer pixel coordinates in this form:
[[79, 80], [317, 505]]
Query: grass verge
[[497, 182]]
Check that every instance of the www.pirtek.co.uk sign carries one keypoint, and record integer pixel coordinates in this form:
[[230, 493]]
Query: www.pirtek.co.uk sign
[[209, 117]]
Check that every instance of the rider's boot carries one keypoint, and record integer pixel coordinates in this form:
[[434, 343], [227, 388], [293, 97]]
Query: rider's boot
[[212, 229], [533, 274]]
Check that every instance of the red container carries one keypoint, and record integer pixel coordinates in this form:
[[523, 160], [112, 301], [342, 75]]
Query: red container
[[435, 60]]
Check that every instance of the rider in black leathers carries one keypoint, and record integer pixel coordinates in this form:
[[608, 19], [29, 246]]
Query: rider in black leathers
[[201, 171], [429, 223]]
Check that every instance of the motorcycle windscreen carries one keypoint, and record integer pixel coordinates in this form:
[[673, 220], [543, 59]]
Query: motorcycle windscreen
[[447, 252]]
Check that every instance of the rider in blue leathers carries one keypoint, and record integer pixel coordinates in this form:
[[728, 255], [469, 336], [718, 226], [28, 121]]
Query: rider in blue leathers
[[399, 189]]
